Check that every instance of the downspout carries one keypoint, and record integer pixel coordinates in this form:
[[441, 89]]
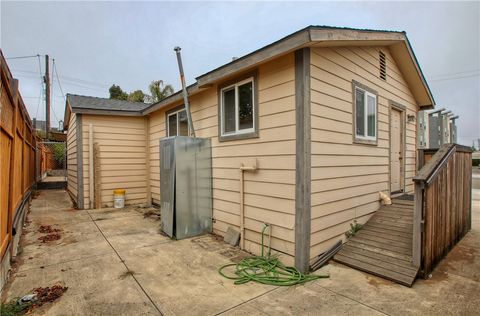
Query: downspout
[[90, 167], [185, 93], [242, 205]]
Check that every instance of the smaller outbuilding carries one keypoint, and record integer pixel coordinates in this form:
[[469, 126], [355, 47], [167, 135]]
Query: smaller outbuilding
[[120, 131]]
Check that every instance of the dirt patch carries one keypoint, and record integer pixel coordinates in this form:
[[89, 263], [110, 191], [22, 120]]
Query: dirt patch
[[209, 242], [376, 282], [155, 214], [40, 296], [47, 229], [49, 237], [48, 294], [461, 253], [149, 212], [52, 234]]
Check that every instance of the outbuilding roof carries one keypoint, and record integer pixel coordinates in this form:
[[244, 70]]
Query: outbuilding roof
[[83, 104]]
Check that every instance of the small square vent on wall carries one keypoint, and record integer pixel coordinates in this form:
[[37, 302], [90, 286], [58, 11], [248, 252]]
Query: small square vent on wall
[[383, 66]]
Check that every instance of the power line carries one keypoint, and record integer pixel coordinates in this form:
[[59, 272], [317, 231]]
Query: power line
[[455, 78], [75, 82], [58, 80], [51, 93], [456, 73], [40, 97]]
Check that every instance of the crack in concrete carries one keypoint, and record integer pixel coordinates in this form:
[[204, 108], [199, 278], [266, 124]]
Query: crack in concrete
[[354, 300], [128, 269], [247, 301]]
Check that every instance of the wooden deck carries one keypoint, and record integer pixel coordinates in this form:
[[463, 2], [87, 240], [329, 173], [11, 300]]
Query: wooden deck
[[383, 247]]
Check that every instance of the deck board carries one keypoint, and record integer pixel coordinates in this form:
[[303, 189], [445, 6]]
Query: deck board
[[383, 247]]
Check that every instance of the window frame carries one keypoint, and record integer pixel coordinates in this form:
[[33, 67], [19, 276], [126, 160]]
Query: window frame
[[364, 139], [243, 133], [172, 112]]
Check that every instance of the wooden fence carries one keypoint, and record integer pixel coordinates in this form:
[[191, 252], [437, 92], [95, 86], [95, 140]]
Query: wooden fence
[[46, 160], [442, 212], [17, 152]]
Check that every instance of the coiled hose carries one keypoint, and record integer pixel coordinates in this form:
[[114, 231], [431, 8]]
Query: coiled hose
[[266, 270]]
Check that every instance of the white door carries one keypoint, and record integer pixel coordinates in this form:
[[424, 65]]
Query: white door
[[396, 151]]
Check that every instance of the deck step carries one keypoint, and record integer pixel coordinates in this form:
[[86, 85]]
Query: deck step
[[383, 247]]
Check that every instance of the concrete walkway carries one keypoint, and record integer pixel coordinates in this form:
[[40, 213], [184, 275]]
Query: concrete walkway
[[115, 262]]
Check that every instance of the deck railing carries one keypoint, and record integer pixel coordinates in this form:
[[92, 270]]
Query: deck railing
[[442, 208]]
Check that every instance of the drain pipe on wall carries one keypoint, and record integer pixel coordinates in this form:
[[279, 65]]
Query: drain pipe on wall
[[90, 167], [242, 205], [185, 93]]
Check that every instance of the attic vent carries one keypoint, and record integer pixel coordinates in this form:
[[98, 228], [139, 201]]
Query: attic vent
[[383, 66]]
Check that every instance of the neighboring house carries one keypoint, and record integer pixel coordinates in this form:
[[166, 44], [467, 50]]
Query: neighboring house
[[322, 111], [436, 128]]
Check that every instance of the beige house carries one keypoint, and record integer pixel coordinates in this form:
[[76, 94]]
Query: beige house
[[328, 116]]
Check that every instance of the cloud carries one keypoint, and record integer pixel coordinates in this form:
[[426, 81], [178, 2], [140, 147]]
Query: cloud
[[97, 44]]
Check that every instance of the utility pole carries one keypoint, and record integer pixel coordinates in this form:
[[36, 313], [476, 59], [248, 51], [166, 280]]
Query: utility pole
[[46, 79]]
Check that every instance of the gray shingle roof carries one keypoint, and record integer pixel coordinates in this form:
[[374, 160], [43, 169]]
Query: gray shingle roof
[[78, 102]]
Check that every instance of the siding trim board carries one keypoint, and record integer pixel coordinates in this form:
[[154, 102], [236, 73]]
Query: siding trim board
[[302, 160], [80, 188]]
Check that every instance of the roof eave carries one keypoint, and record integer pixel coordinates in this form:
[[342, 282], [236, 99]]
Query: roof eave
[[79, 110], [292, 42]]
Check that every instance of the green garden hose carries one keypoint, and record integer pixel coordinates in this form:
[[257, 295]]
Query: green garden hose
[[266, 270]]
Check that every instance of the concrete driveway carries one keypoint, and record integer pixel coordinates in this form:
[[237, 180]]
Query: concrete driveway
[[116, 262]]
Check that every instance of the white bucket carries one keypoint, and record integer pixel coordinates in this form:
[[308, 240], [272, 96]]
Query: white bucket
[[119, 198]]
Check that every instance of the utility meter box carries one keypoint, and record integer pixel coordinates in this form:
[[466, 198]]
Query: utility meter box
[[186, 186]]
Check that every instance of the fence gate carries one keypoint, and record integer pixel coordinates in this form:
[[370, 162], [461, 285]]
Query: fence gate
[[51, 163]]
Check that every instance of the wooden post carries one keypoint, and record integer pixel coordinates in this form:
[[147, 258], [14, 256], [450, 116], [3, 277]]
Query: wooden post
[[46, 79], [417, 224], [97, 177]]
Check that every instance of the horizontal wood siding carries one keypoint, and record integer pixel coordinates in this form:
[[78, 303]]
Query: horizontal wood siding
[[269, 192], [122, 156], [72, 181], [346, 177]]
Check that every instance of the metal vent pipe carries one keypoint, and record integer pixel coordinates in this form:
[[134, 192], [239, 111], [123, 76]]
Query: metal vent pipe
[[185, 93]]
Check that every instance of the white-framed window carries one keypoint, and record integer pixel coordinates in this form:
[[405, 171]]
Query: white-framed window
[[237, 110], [365, 115], [177, 123]]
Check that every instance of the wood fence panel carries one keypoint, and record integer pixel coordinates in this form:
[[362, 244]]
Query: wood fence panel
[[6, 144], [17, 154]]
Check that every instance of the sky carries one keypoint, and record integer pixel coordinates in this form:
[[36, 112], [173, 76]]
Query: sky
[[97, 44]]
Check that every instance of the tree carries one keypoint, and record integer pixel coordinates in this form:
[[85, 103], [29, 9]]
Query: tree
[[59, 151], [117, 93], [136, 96], [159, 91]]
